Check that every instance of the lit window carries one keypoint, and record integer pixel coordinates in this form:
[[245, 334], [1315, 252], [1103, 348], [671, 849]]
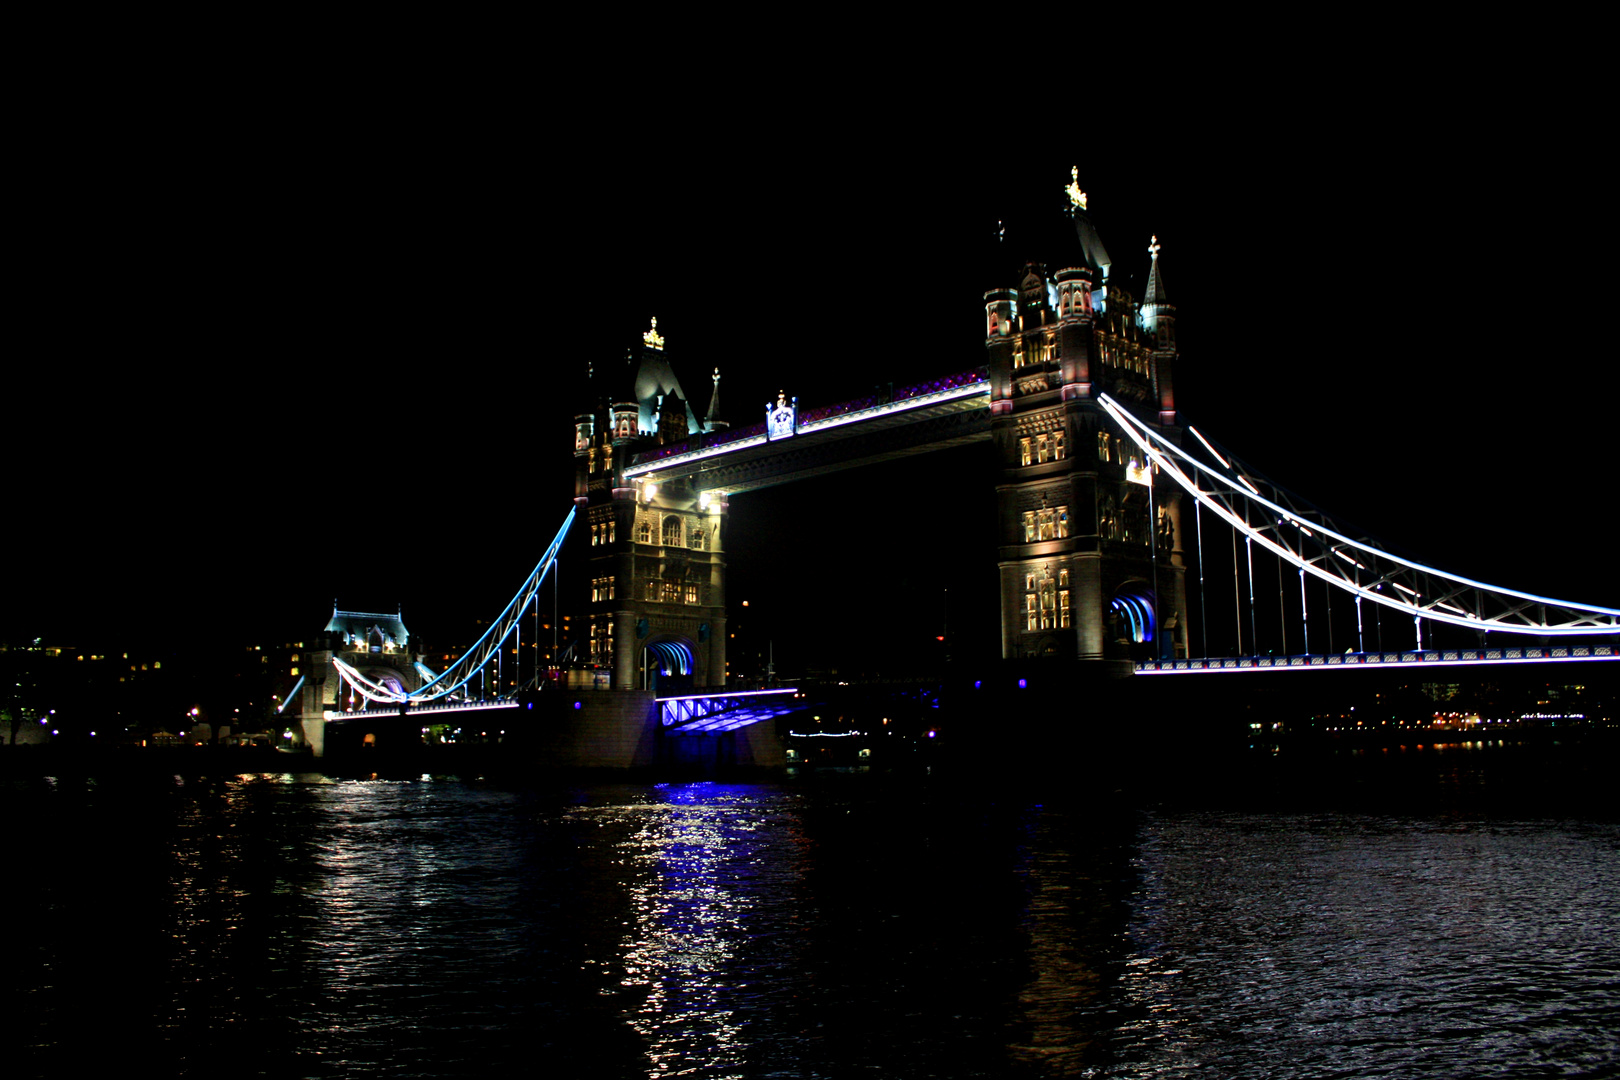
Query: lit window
[[644, 533], [294, 671], [1103, 446], [1024, 455], [672, 531], [1063, 606], [698, 539], [691, 594]]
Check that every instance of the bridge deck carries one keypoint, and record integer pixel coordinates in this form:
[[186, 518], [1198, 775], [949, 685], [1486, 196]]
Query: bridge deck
[[1526, 654]]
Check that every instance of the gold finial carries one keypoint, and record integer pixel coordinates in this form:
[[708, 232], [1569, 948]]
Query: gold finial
[[781, 399], [1076, 196], [1153, 246], [652, 337]]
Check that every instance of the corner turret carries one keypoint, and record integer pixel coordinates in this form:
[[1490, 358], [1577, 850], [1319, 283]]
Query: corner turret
[[1158, 318]]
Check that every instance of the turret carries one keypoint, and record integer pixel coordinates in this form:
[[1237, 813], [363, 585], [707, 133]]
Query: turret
[[1158, 318], [1074, 330], [712, 421]]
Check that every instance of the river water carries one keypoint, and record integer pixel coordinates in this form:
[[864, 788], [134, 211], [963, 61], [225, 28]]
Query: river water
[[1388, 913]]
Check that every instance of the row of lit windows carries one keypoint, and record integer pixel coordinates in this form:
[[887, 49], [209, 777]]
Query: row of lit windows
[[1046, 602], [1110, 448], [1043, 349], [1126, 356], [602, 534], [1123, 524], [1041, 448], [673, 592], [606, 459], [670, 534], [601, 638], [1048, 524], [601, 589]]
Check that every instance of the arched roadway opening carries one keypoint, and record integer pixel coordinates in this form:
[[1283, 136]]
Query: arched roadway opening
[[667, 664]]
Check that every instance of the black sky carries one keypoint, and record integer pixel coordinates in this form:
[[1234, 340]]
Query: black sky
[[309, 357]]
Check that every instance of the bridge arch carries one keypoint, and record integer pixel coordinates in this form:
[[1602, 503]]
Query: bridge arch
[[668, 661], [1131, 611]]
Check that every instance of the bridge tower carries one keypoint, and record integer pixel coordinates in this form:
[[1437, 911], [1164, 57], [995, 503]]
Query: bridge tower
[[656, 615], [1090, 553], [377, 645]]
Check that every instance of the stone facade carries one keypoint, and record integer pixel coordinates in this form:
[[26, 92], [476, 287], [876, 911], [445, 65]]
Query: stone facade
[[656, 609], [1090, 554]]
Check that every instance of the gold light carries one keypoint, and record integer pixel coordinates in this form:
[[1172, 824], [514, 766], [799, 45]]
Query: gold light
[[1076, 196]]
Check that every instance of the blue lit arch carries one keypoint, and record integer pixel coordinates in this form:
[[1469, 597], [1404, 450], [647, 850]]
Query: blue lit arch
[[1133, 603], [671, 656]]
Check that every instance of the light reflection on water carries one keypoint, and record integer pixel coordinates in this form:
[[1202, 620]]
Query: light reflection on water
[[700, 862], [295, 925]]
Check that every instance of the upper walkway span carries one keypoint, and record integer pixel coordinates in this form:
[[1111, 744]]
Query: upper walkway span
[[794, 446]]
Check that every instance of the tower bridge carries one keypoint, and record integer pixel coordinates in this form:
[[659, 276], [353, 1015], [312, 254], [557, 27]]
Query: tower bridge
[[1114, 518]]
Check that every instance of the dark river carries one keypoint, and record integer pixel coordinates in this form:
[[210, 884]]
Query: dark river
[[1451, 913]]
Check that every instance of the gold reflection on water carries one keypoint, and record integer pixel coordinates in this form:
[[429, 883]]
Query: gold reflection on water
[[1054, 1030]]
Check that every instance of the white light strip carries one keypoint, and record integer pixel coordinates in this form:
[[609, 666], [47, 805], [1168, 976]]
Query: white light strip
[[1370, 660], [937, 397], [723, 695], [431, 710], [1224, 463], [696, 455], [1142, 435]]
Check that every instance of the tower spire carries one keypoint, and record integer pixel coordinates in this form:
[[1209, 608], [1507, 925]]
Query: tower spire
[[712, 421], [1091, 245], [1155, 285]]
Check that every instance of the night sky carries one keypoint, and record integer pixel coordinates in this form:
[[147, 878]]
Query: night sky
[[261, 372]]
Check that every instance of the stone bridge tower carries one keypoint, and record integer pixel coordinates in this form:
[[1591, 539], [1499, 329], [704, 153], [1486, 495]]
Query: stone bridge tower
[[376, 645], [1090, 553], [656, 614]]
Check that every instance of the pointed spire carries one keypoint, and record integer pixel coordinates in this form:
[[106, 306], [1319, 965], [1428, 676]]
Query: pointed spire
[[712, 421], [1091, 245], [1155, 286]]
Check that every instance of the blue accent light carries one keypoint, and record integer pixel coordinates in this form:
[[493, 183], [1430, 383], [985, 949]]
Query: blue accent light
[[674, 657], [1137, 611], [1023, 683]]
